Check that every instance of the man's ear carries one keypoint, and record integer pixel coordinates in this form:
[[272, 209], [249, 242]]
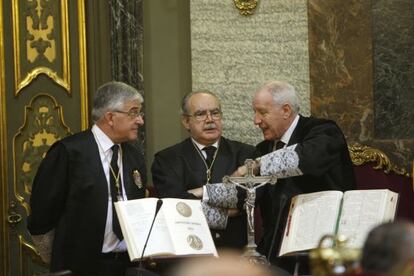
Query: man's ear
[[287, 110], [109, 118], [185, 121]]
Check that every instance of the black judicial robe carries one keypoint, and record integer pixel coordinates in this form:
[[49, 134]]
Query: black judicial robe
[[179, 168], [70, 195], [326, 165]]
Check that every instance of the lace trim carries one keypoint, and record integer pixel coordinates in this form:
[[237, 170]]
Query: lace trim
[[222, 195], [216, 216], [282, 163], [44, 244]]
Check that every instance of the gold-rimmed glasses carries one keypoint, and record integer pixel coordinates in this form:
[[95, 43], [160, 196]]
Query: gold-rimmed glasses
[[133, 113], [202, 115]]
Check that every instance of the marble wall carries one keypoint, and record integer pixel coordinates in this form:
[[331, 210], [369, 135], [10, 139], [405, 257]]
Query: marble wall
[[361, 71], [340, 54], [352, 63], [393, 48], [232, 55]]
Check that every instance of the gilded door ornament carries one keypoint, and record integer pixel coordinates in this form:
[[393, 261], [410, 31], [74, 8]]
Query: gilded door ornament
[[246, 7], [13, 217], [41, 42], [43, 125], [361, 154]]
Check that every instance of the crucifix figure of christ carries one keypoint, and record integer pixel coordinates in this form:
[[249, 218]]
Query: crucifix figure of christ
[[250, 183]]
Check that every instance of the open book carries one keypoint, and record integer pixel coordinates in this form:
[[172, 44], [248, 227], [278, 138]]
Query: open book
[[353, 214], [180, 228]]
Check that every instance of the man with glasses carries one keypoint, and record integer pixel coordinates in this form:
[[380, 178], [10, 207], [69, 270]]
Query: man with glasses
[[181, 171], [72, 220]]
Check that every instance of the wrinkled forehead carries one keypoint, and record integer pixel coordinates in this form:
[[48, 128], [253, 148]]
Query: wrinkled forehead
[[201, 102], [132, 104], [263, 97]]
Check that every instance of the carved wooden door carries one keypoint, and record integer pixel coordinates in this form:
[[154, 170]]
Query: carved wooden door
[[43, 97]]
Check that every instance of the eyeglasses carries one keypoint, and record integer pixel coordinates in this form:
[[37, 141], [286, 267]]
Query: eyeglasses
[[133, 113], [215, 114]]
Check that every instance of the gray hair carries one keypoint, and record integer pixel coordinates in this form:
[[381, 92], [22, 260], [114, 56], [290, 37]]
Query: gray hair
[[283, 92], [112, 96], [184, 106], [388, 245]]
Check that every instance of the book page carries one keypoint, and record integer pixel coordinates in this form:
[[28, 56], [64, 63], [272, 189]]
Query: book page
[[392, 205], [135, 217], [188, 225], [364, 209], [311, 216]]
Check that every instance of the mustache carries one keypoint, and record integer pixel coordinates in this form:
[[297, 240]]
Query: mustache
[[210, 126]]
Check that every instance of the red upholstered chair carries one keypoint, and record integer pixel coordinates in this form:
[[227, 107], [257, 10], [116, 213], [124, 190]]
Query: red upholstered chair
[[373, 170]]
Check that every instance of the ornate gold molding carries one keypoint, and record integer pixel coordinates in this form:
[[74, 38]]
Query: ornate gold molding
[[246, 7], [361, 154], [38, 43], [4, 241], [83, 66]]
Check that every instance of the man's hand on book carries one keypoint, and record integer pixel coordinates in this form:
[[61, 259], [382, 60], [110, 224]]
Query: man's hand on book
[[198, 192]]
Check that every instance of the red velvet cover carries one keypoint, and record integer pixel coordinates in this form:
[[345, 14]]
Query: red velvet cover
[[369, 178]]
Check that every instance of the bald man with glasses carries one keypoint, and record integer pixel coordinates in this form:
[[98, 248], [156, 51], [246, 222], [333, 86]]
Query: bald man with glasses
[[182, 170]]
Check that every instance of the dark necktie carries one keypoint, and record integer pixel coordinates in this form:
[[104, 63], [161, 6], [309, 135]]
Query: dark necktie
[[210, 150], [279, 145], [114, 174]]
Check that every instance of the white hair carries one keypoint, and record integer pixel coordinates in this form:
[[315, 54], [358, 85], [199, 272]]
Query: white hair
[[283, 92], [112, 96]]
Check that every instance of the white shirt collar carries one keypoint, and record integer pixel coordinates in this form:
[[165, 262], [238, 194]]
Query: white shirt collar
[[200, 146], [286, 136], [104, 141]]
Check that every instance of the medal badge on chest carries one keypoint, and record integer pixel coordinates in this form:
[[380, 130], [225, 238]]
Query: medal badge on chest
[[137, 179]]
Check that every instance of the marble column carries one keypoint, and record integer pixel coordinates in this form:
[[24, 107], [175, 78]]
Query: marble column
[[126, 17]]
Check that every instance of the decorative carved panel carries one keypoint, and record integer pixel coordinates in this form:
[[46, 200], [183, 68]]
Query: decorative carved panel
[[43, 125], [41, 42]]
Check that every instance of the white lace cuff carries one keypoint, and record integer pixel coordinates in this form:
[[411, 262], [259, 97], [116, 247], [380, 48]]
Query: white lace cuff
[[44, 244], [216, 216], [222, 195], [282, 163]]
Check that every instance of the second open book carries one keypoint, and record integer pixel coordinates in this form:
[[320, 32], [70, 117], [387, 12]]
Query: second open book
[[353, 214], [180, 228]]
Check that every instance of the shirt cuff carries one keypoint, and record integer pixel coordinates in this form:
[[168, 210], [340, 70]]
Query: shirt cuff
[[282, 163], [44, 244], [205, 195]]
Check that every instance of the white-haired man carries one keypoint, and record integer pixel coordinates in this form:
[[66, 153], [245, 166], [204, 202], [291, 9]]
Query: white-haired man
[[307, 154]]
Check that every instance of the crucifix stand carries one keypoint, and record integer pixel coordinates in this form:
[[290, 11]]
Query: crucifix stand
[[250, 183]]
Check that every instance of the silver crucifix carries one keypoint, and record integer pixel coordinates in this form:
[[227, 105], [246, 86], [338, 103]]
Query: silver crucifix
[[250, 183]]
